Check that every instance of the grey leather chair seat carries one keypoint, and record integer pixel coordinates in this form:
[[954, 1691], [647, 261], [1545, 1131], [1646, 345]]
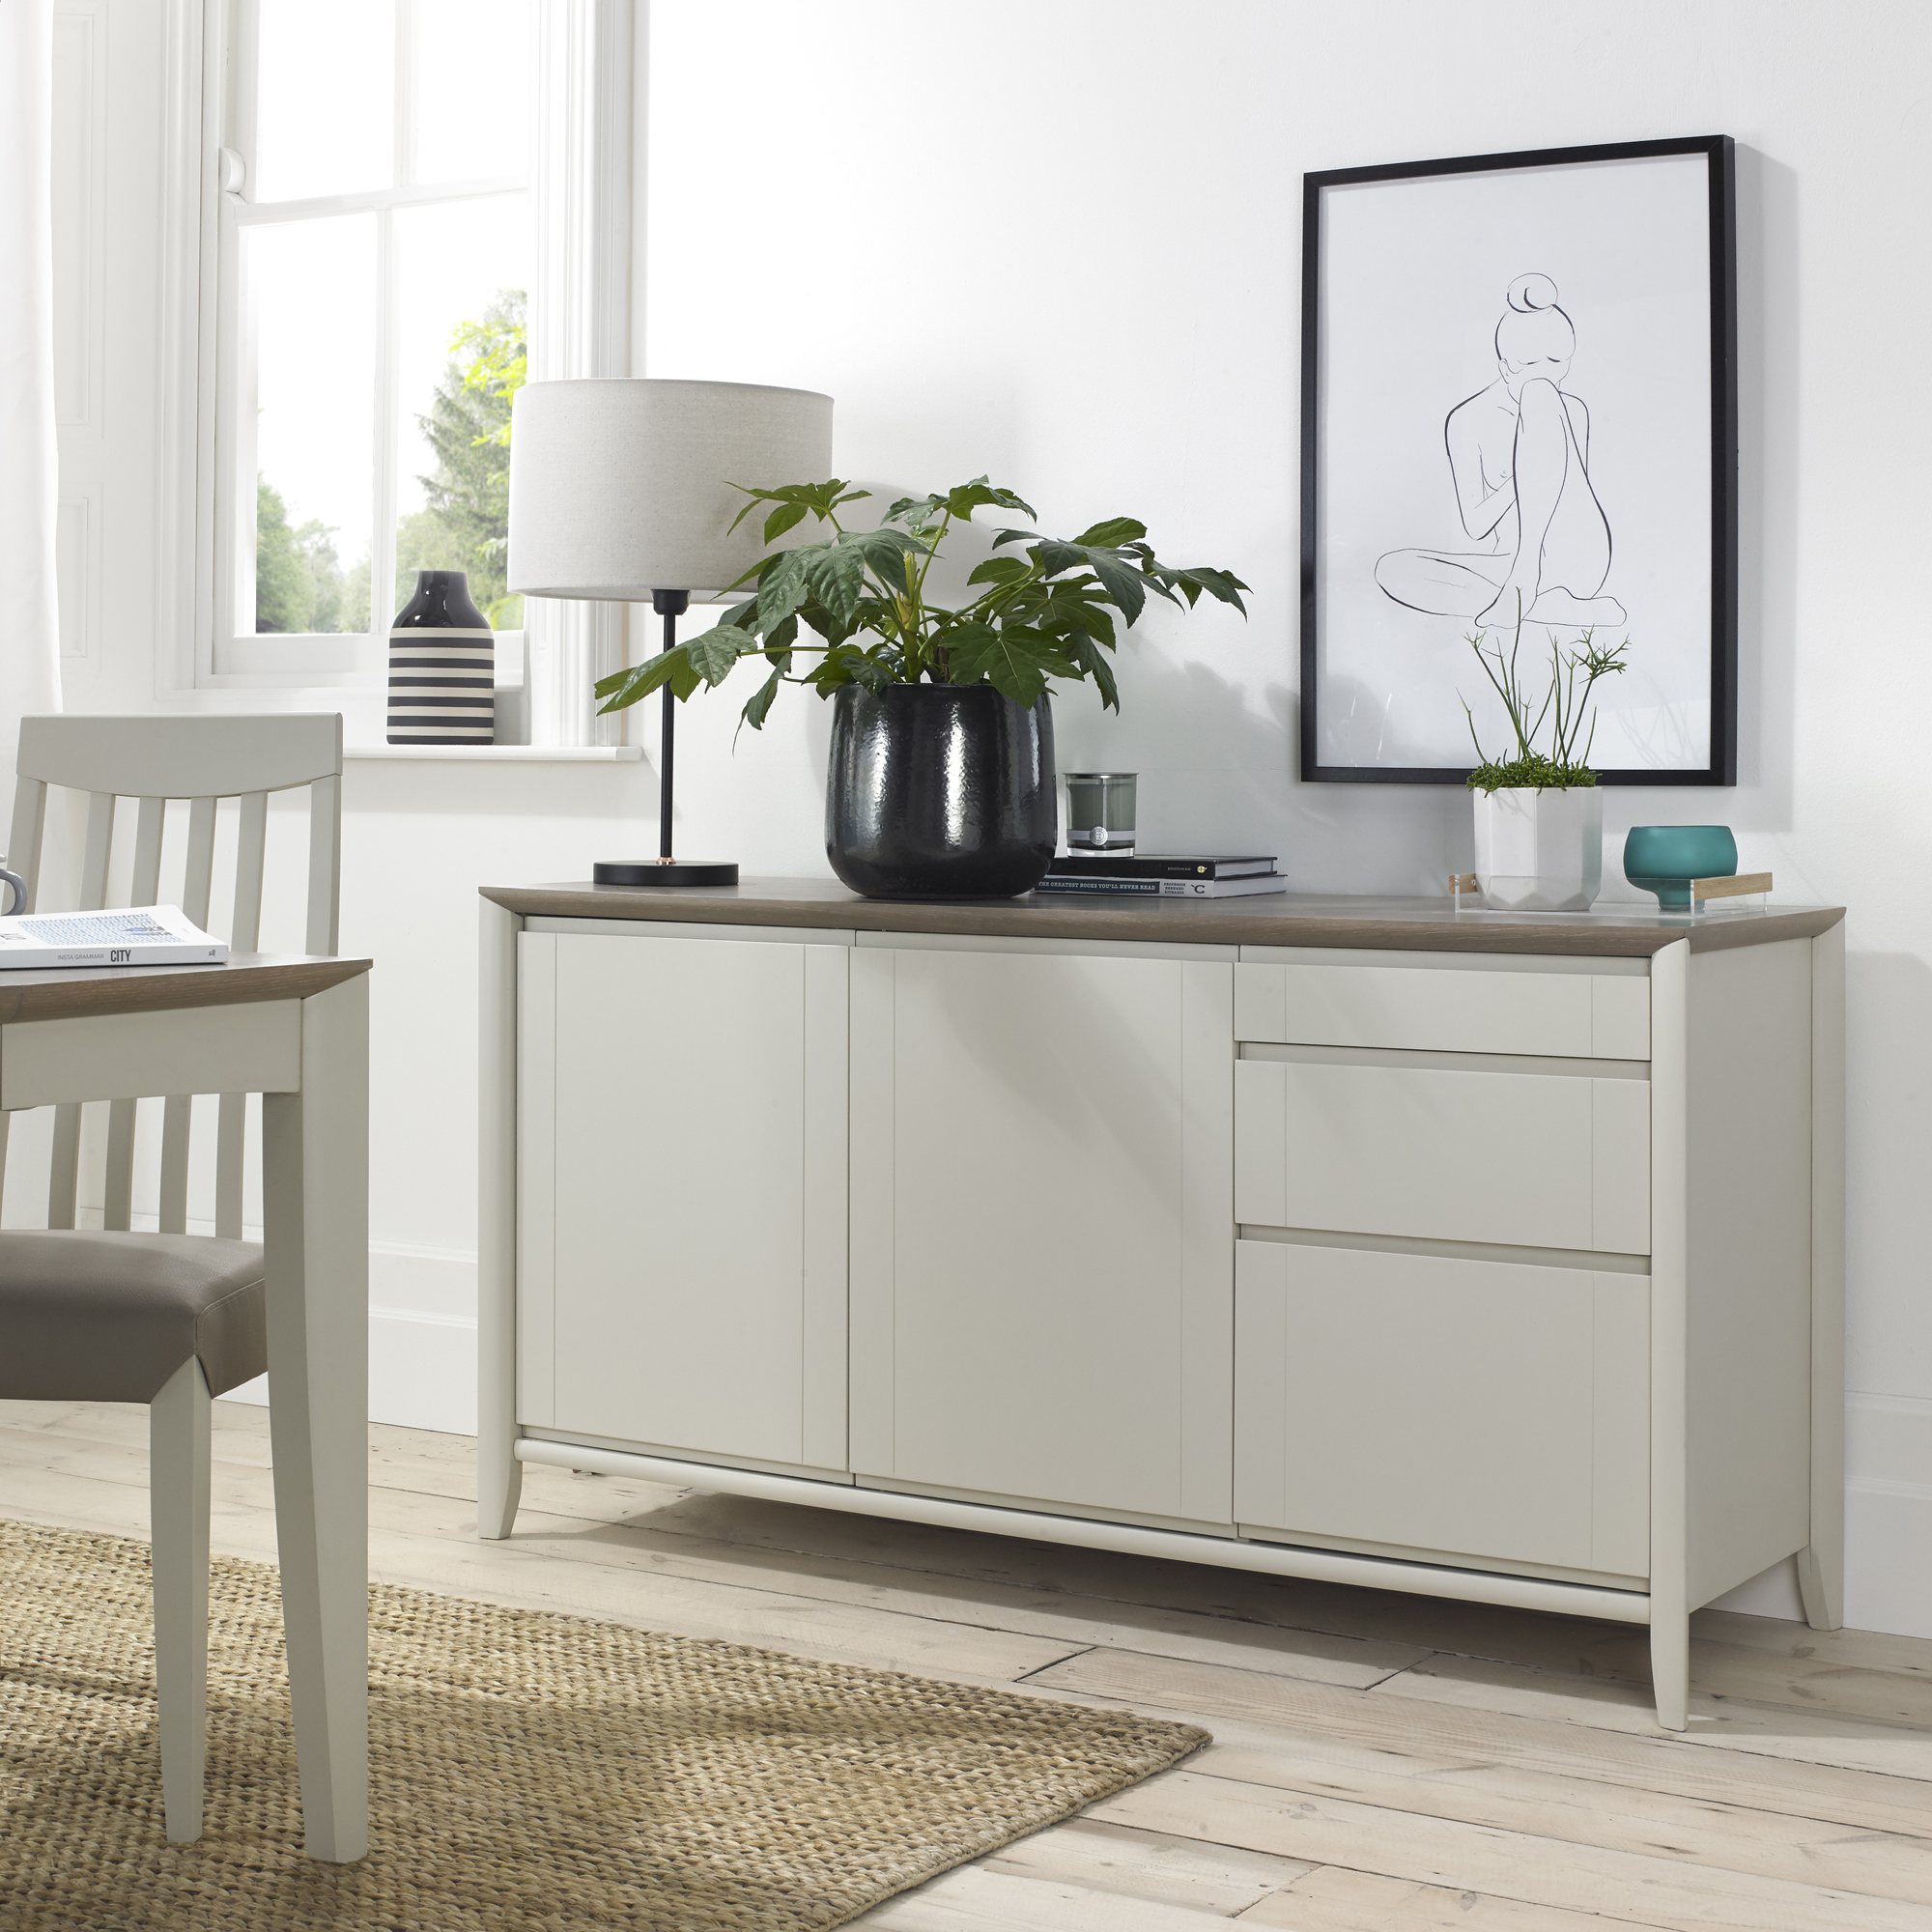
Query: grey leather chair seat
[[109, 1317]]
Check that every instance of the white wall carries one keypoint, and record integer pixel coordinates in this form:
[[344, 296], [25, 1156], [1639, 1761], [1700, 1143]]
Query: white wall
[[1060, 242], [1057, 240]]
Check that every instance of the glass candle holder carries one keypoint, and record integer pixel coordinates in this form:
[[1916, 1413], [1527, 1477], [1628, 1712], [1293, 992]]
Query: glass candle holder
[[1100, 812]]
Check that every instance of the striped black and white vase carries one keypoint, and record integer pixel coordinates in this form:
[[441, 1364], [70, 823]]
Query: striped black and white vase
[[443, 666]]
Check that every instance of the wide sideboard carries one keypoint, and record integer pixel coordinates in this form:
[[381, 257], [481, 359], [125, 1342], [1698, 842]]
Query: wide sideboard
[[1488, 1255]]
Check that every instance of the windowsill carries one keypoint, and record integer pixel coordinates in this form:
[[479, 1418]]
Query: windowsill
[[506, 754]]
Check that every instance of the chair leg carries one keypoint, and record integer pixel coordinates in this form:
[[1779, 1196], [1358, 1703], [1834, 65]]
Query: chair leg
[[178, 1499]]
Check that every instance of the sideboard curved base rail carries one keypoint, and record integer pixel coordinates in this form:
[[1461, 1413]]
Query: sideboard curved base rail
[[1126, 1539]]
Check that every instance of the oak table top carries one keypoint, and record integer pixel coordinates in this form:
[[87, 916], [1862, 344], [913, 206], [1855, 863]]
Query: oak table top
[[1283, 919], [80, 992]]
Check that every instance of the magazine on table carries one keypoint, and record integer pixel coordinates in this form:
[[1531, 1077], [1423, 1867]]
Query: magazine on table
[[119, 936]]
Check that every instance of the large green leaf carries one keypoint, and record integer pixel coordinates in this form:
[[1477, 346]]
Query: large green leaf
[[871, 671], [924, 513], [998, 569], [963, 498], [1221, 584], [1075, 605], [1218, 583], [786, 517], [836, 572], [673, 667], [828, 674], [916, 512], [782, 585], [624, 688], [819, 499], [1123, 582], [886, 552], [757, 707], [1010, 659], [1092, 661], [715, 653], [848, 665], [1113, 532]]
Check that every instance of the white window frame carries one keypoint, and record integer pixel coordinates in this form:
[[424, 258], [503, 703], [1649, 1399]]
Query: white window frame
[[581, 198]]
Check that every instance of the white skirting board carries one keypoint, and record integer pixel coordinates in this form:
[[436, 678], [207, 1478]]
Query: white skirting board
[[1888, 1557], [422, 1341], [1888, 1565], [1887, 1523], [422, 1373]]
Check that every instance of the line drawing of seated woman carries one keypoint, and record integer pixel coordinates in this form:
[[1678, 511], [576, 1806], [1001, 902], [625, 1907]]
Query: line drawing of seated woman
[[1519, 456]]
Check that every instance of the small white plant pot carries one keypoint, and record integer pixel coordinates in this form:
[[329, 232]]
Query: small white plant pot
[[1540, 851]]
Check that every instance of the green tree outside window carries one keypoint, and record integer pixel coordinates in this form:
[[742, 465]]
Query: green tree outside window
[[300, 582]]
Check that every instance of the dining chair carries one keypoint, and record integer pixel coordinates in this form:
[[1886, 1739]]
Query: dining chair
[[167, 1318]]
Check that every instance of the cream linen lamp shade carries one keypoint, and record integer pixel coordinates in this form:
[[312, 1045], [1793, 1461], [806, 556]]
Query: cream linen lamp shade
[[620, 490], [620, 487]]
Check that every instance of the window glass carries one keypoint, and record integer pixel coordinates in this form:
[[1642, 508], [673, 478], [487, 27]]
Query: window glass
[[467, 123], [464, 269], [305, 452], [325, 112], [374, 344]]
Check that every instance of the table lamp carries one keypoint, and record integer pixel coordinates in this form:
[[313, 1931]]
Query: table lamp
[[620, 489]]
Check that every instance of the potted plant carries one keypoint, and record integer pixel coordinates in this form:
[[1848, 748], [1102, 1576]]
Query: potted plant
[[1539, 813], [940, 781]]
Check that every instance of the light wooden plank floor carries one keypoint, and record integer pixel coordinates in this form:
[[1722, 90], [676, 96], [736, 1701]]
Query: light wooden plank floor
[[1380, 1764]]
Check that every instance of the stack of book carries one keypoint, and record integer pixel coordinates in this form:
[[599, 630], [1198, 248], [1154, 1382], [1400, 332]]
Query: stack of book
[[1204, 876]]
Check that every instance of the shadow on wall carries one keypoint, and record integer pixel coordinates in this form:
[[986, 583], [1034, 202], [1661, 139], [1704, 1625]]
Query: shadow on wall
[[1889, 1022], [1219, 762], [1212, 766], [1769, 473]]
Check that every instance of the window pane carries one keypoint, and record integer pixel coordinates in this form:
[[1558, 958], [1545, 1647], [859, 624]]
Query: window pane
[[471, 60], [462, 269], [324, 107], [309, 323]]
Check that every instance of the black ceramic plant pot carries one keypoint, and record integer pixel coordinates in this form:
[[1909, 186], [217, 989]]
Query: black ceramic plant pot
[[940, 791]]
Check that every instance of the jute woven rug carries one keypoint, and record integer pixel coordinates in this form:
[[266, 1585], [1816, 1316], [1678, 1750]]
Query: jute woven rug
[[526, 1770]]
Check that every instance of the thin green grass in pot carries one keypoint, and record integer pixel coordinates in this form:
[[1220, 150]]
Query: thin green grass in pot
[[1562, 767]]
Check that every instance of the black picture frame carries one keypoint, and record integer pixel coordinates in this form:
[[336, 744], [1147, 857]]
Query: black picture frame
[[1719, 151]]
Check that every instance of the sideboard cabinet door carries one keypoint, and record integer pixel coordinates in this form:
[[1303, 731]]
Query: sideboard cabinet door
[[1042, 1264], [682, 1193]]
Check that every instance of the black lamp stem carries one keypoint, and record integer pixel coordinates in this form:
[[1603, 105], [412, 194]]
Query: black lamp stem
[[669, 605], [664, 869]]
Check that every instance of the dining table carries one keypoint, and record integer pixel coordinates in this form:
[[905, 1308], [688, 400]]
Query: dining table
[[295, 1030]]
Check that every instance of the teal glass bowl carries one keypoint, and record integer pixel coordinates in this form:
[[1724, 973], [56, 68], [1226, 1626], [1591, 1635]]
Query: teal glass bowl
[[1663, 859]]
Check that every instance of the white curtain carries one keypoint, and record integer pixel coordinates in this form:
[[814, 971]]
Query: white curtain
[[29, 641]]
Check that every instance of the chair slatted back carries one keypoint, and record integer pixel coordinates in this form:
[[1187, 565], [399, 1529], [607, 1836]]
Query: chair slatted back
[[153, 762]]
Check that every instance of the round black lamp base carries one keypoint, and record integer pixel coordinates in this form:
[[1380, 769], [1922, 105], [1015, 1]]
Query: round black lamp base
[[664, 872]]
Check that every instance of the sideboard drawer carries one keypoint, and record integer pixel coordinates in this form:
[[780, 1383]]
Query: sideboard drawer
[[1546, 1160], [1449, 1008], [1486, 1410]]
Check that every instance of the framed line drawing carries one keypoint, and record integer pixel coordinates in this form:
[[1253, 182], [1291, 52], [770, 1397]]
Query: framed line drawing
[[1519, 393]]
